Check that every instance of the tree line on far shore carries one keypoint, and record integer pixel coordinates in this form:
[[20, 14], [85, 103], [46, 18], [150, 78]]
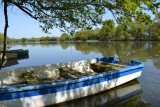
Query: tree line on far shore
[[134, 31]]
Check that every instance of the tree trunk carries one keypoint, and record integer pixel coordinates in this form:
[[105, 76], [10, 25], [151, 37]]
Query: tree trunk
[[5, 31]]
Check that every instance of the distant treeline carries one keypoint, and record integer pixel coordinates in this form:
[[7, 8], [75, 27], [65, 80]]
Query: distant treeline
[[44, 38], [8, 39], [135, 31]]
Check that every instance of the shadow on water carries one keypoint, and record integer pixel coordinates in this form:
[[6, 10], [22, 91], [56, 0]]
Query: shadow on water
[[8, 63], [126, 95], [73, 51], [12, 62]]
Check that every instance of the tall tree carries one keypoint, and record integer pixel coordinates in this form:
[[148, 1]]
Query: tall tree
[[137, 30], [153, 31], [64, 37], [107, 31], [69, 14], [5, 31], [121, 32]]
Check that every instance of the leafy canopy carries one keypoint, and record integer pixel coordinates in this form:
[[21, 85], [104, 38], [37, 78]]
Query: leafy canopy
[[72, 14]]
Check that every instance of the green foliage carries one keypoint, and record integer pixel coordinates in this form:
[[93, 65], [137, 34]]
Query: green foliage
[[64, 37], [53, 38], [95, 34], [82, 35], [153, 31], [8, 39], [122, 33], [137, 30], [87, 35], [42, 38], [1, 38], [134, 9], [24, 40], [33, 39], [47, 38], [134, 30], [107, 30], [72, 14], [68, 15]]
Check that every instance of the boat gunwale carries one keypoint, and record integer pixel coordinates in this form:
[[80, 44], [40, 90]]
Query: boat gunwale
[[58, 83]]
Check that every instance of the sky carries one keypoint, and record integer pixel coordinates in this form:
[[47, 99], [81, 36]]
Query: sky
[[22, 25]]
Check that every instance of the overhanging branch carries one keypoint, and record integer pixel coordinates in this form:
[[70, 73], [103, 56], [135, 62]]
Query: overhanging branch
[[23, 9]]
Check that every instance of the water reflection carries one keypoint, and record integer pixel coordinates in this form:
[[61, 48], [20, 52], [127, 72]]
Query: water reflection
[[71, 51], [22, 57], [125, 50], [156, 61], [148, 52], [121, 96]]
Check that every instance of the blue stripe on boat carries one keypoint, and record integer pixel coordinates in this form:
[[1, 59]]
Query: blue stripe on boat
[[48, 88]]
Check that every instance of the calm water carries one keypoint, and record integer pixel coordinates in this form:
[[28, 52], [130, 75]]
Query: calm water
[[144, 92]]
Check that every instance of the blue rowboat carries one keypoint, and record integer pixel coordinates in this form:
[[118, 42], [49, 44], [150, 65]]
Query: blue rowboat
[[66, 85]]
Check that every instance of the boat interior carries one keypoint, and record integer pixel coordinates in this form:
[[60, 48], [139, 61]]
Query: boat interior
[[50, 73]]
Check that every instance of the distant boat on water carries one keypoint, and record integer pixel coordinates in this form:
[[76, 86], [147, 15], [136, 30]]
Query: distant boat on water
[[8, 55], [12, 54], [20, 52]]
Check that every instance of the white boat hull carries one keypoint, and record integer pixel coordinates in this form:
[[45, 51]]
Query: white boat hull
[[63, 96]]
